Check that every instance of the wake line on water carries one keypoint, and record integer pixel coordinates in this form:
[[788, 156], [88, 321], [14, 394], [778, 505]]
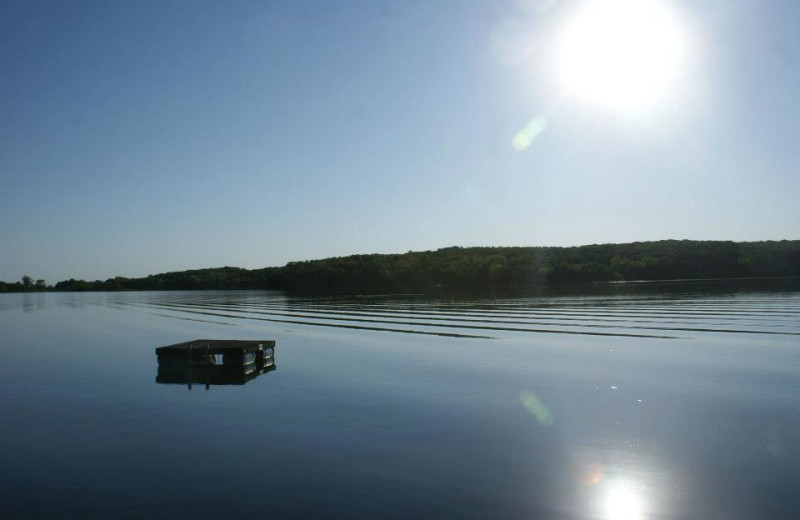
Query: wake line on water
[[490, 318], [511, 329], [317, 324], [420, 324], [538, 312]]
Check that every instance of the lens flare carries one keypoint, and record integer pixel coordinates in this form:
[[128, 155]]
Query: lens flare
[[537, 408], [525, 137]]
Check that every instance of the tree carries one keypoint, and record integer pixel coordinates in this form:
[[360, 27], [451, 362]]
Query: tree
[[41, 285], [27, 282]]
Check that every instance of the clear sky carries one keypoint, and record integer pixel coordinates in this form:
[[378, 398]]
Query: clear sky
[[143, 137]]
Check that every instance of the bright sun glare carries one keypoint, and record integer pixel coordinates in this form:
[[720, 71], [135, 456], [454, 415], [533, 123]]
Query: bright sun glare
[[621, 503], [622, 54]]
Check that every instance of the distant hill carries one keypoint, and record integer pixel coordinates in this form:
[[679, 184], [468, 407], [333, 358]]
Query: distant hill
[[459, 267]]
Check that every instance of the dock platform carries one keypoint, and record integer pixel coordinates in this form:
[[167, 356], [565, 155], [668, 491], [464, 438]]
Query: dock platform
[[210, 352], [214, 362]]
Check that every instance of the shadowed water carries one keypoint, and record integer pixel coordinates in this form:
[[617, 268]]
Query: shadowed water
[[607, 403]]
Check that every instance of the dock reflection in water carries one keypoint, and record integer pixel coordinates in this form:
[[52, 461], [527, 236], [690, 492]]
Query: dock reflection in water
[[214, 362]]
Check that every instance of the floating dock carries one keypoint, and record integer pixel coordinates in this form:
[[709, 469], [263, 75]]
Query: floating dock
[[214, 362]]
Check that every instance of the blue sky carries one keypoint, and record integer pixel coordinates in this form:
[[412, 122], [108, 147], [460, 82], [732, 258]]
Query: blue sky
[[143, 137]]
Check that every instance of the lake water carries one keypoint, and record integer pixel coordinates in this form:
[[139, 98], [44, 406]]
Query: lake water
[[616, 403]]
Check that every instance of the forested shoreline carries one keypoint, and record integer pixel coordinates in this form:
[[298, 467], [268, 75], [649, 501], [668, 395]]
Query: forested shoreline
[[456, 267]]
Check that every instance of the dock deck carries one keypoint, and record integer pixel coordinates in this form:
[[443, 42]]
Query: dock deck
[[210, 352], [214, 362]]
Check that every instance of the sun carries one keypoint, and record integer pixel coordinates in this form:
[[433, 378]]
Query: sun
[[622, 503], [621, 54]]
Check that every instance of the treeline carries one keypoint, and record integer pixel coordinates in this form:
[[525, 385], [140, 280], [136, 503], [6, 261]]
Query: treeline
[[489, 266], [214, 278], [26, 284], [457, 267], [540, 266]]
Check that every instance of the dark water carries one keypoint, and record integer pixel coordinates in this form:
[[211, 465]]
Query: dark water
[[664, 403]]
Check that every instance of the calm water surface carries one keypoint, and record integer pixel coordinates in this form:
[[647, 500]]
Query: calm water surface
[[664, 403]]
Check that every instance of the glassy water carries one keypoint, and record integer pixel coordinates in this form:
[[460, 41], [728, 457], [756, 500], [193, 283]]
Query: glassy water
[[607, 404]]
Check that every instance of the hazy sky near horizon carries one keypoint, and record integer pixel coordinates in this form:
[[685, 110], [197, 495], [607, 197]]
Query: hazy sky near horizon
[[143, 137]]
